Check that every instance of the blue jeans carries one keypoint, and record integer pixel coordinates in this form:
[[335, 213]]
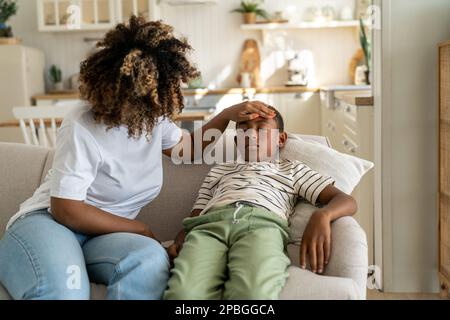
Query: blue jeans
[[42, 259]]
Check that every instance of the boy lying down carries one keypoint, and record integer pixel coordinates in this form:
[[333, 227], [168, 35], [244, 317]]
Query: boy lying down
[[234, 244]]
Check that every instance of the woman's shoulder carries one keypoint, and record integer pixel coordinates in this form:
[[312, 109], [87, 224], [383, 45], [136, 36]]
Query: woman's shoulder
[[80, 114]]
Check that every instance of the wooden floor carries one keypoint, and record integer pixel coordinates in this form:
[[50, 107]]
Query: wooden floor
[[376, 295]]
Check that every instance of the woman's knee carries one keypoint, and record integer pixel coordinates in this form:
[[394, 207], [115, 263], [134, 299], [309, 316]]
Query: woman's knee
[[26, 276], [151, 256], [42, 260], [143, 273]]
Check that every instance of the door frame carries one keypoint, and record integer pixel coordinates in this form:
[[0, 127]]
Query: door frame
[[382, 88]]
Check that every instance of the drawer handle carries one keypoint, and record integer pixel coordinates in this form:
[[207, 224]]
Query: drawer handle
[[349, 147], [331, 126], [348, 109]]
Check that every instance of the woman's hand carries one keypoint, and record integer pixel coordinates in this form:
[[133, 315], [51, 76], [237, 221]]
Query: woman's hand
[[248, 110], [316, 241], [173, 251], [145, 230]]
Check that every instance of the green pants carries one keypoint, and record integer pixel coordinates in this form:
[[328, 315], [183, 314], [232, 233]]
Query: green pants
[[224, 258]]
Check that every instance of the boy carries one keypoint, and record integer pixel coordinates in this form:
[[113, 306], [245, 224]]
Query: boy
[[235, 240]]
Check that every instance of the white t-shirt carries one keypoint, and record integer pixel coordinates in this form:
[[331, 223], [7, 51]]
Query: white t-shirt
[[105, 169]]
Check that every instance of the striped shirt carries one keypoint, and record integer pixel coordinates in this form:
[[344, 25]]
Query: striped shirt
[[276, 186]]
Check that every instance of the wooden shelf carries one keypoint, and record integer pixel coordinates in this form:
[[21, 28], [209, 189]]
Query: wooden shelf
[[301, 25]]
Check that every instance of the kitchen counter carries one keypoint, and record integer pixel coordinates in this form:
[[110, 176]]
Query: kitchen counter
[[278, 89], [182, 117], [69, 95], [357, 98]]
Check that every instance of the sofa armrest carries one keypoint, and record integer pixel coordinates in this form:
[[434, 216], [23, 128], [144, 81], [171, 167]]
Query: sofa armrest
[[349, 253]]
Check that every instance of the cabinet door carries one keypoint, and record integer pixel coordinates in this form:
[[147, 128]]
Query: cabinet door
[[148, 9], [300, 111], [269, 98], [97, 14], [66, 15]]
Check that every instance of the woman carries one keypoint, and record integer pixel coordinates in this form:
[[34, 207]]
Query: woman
[[79, 225]]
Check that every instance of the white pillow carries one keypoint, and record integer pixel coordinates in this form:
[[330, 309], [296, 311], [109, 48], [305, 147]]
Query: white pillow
[[347, 170]]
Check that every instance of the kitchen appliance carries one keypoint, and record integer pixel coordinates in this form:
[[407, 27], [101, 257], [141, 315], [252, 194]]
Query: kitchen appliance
[[301, 69]]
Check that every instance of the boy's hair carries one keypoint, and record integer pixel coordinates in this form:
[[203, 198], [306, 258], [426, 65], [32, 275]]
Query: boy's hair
[[136, 75], [278, 118]]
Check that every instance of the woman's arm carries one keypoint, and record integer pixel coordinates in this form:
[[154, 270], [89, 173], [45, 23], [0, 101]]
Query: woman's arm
[[90, 220], [240, 112], [316, 240]]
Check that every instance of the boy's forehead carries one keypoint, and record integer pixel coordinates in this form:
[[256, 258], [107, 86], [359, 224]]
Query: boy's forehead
[[256, 121]]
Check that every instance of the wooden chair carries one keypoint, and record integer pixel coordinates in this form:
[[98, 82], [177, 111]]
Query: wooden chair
[[39, 124]]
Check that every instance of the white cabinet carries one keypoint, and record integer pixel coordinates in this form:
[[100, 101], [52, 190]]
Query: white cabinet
[[67, 15], [350, 130], [148, 9], [300, 111], [84, 15]]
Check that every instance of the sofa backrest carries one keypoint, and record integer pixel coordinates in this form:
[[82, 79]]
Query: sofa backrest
[[23, 168]]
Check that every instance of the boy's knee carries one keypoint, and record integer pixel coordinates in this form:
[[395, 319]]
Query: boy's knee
[[179, 293], [243, 292]]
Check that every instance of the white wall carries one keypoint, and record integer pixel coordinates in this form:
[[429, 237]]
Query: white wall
[[217, 38], [215, 34], [409, 106]]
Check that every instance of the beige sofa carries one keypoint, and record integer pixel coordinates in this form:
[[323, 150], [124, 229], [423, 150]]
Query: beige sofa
[[22, 169]]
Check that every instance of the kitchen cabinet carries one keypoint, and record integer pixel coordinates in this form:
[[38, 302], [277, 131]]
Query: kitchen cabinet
[[66, 15], [84, 15], [300, 111], [349, 128], [148, 9]]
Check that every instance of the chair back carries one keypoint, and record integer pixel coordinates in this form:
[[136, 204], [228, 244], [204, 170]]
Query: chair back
[[39, 124]]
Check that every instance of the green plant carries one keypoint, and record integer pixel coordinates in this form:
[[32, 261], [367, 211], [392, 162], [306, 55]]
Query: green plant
[[55, 74], [365, 44], [8, 8], [249, 6]]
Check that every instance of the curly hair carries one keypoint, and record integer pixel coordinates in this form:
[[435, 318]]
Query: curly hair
[[136, 76]]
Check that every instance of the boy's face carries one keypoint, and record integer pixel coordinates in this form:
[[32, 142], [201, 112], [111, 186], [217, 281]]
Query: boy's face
[[259, 139]]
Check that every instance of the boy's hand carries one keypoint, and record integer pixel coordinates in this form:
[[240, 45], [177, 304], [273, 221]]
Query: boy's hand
[[248, 110], [316, 242]]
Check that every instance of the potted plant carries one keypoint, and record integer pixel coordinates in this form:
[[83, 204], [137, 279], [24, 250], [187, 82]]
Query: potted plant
[[56, 78], [250, 10], [8, 8], [366, 47]]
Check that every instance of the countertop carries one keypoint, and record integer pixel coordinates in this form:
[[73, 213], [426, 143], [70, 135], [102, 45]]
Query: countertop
[[184, 116], [191, 92], [357, 98]]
